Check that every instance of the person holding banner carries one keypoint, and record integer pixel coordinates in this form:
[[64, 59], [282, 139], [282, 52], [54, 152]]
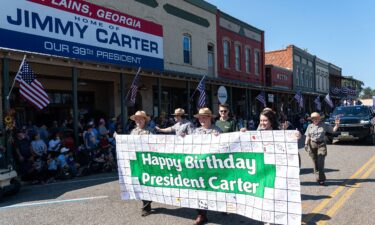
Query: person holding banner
[[225, 123], [316, 145], [205, 117], [268, 121], [140, 118], [182, 125]]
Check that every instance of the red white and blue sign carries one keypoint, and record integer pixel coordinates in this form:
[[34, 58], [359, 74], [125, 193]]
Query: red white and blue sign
[[81, 30]]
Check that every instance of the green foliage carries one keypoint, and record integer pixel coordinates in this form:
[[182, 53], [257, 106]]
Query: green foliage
[[367, 92]]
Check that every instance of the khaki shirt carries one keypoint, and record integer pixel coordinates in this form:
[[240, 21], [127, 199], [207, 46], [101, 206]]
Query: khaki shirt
[[139, 131], [317, 132], [202, 130], [183, 126]]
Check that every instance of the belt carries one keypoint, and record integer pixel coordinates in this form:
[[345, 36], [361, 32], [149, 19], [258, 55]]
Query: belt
[[318, 142]]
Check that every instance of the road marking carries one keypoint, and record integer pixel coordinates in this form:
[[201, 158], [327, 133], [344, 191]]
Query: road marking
[[345, 196], [324, 203], [72, 181], [53, 202]]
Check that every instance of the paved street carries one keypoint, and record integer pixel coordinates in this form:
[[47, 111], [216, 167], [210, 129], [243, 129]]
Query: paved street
[[348, 197]]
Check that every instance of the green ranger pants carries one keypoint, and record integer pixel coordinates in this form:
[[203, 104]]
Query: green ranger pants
[[318, 152]]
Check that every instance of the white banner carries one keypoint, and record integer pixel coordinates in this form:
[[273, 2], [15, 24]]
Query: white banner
[[254, 174]]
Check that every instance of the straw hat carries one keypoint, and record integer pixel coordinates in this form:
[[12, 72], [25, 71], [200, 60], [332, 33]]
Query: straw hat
[[315, 115], [179, 112], [141, 114], [204, 112]]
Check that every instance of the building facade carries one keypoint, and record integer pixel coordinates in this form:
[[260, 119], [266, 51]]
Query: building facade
[[240, 57], [322, 76], [302, 64]]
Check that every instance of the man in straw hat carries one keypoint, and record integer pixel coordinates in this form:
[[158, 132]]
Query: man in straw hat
[[316, 145], [181, 127], [205, 119], [140, 118]]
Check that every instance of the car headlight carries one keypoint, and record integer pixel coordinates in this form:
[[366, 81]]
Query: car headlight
[[364, 121]]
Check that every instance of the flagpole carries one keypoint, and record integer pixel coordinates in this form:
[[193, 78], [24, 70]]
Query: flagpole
[[191, 97], [14, 80], [139, 70]]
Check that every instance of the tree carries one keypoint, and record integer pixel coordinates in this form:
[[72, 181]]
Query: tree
[[367, 92]]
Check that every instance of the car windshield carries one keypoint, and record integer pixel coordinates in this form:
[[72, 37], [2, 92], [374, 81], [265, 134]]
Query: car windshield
[[351, 111]]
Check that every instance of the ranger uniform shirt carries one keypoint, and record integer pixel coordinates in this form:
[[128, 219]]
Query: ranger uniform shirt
[[139, 131], [183, 126], [317, 132], [202, 130]]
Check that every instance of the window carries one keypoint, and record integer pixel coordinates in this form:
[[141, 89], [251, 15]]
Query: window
[[247, 59], [282, 77], [297, 58], [297, 77], [211, 59], [256, 62], [302, 78], [237, 51], [309, 63], [304, 61], [187, 48], [226, 53]]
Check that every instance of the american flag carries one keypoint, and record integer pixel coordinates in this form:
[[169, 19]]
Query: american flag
[[262, 98], [328, 100], [299, 98], [202, 90], [30, 88], [134, 87], [318, 103]]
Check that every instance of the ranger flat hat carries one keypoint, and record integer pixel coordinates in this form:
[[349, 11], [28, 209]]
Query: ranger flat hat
[[204, 112], [141, 114], [179, 112], [315, 115]]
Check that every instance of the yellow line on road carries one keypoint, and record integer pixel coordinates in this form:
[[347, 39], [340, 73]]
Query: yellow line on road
[[324, 203], [345, 196]]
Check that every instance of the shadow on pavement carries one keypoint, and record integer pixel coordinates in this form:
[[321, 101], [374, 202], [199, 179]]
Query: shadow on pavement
[[338, 182], [310, 170], [213, 217], [314, 218], [314, 197], [40, 192]]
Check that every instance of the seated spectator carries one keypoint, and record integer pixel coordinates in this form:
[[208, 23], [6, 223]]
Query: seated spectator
[[55, 143], [38, 147], [101, 128], [63, 167], [90, 138], [51, 168]]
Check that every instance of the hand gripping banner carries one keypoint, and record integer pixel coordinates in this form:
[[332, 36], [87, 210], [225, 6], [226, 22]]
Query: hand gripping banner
[[253, 174]]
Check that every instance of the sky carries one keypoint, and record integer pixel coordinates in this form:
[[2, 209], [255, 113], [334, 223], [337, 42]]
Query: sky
[[341, 32]]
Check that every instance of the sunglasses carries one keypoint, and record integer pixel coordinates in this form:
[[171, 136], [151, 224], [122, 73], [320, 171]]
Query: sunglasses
[[224, 111]]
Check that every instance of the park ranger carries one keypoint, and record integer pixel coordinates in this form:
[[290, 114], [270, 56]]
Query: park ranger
[[181, 127], [140, 118], [316, 145], [205, 117]]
